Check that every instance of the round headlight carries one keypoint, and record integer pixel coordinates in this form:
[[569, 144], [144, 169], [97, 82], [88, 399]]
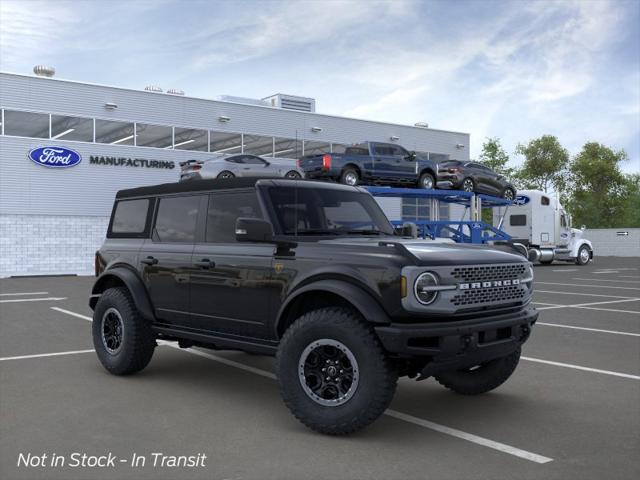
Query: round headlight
[[423, 288]]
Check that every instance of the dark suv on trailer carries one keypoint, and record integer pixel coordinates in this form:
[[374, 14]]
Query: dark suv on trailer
[[314, 274]]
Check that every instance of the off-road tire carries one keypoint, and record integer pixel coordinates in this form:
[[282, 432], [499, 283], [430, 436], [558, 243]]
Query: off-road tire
[[377, 375], [138, 340], [484, 379], [345, 175], [225, 174], [423, 178]]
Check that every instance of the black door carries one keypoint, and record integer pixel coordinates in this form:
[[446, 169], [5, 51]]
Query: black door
[[166, 258], [231, 283]]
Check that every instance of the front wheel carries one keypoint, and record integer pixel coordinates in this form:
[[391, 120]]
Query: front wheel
[[584, 255], [480, 378], [333, 374], [426, 181], [122, 339], [508, 194]]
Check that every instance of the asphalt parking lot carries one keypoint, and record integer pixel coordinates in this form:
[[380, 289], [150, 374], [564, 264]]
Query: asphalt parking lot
[[571, 410]]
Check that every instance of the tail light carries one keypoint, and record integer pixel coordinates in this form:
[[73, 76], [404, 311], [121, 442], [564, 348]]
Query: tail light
[[197, 166], [99, 264], [326, 161], [298, 163]]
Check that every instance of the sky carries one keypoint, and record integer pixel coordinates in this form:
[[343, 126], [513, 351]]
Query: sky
[[509, 69]]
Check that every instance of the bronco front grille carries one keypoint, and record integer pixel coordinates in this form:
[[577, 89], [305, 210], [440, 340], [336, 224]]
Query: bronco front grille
[[479, 273], [489, 295]]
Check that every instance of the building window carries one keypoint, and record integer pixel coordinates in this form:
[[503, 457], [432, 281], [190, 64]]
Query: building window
[[225, 143], [191, 139], [114, 133], [26, 124], [287, 148], [316, 148], [157, 136], [258, 145], [71, 128]]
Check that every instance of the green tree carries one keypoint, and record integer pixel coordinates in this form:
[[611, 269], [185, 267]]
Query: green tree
[[545, 164], [598, 191], [495, 157], [630, 215]]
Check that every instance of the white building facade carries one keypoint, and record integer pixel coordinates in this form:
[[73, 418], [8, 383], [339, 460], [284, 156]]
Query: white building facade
[[52, 220]]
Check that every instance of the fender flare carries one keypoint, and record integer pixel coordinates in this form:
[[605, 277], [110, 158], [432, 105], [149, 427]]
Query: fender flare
[[579, 244], [133, 282], [357, 296]]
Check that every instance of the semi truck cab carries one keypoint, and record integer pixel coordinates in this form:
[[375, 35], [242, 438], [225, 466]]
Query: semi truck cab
[[538, 221]]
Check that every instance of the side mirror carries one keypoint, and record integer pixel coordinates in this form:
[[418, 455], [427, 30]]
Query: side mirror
[[583, 227], [254, 230], [408, 229], [411, 157]]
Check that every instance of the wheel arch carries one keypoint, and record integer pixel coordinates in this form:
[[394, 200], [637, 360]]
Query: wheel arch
[[121, 276], [430, 171], [324, 293], [354, 167]]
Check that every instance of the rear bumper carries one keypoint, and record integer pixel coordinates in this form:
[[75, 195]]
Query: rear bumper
[[453, 345], [448, 181]]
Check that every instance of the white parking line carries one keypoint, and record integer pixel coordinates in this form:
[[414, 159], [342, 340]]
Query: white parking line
[[73, 314], [605, 272], [629, 276], [579, 367], [23, 293], [604, 280], [566, 270], [40, 355], [533, 457], [615, 332], [633, 312], [47, 299], [588, 305], [587, 286]]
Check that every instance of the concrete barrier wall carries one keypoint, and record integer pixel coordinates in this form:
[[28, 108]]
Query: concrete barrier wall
[[614, 242]]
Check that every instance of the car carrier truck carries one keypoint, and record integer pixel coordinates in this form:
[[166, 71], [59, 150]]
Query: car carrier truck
[[539, 222]]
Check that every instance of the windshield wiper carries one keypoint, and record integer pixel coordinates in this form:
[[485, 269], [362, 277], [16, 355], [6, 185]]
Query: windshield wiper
[[365, 232], [315, 232]]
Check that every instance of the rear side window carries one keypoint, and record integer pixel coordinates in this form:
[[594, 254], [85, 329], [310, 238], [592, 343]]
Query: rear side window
[[224, 210], [518, 220], [176, 219], [130, 218]]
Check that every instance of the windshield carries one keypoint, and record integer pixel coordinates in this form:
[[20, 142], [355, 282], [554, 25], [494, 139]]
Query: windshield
[[327, 211]]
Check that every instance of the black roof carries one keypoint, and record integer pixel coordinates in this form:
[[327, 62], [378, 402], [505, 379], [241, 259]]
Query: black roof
[[190, 186]]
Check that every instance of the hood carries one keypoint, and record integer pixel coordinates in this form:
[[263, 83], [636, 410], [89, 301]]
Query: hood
[[434, 253]]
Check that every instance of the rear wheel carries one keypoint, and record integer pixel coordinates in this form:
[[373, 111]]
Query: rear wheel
[[349, 177], [584, 255], [293, 175], [468, 185], [508, 194], [426, 181], [122, 339], [226, 174], [480, 378], [333, 374]]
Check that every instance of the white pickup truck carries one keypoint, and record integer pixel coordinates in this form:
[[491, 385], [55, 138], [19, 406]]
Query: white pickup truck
[[540, 223]]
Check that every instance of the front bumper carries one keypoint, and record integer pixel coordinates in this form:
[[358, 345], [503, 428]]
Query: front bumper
[[453, 345]]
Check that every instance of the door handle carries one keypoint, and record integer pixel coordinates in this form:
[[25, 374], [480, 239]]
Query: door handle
[[205, 263], [149, 260]]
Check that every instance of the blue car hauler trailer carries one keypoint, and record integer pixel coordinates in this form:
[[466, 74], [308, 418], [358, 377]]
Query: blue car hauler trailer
[[473, 230]]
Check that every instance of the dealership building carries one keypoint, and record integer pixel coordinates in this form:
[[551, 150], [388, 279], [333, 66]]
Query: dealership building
[[53, 219]]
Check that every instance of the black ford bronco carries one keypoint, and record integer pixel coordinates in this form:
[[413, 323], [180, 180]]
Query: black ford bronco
[[314, 274]]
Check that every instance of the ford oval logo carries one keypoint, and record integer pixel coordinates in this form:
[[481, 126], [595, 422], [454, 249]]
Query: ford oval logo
[[55, 157], [521, 200]]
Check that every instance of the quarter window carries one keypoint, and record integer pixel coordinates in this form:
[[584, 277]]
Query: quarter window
[[176, 219], [224, 210], [130, 217]]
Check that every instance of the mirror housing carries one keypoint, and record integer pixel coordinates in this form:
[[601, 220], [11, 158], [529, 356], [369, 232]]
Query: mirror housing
[[254, 230], [412, 156], [408, 229]]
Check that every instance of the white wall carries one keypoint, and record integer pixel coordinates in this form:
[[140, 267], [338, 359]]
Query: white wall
[[46, 244], [607, 242]]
